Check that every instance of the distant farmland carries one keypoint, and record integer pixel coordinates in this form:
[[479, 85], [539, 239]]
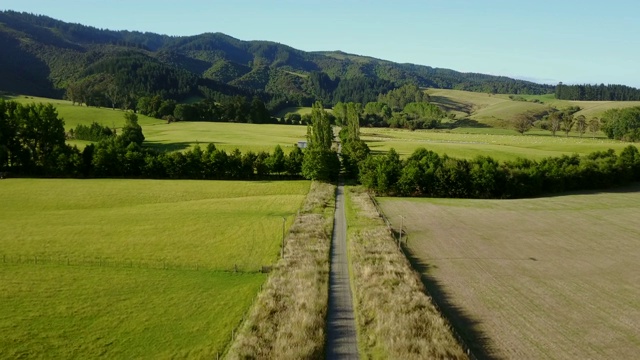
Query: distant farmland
[[487, 142], [497, 109], [536, 278], [182, 135], [112, 268]]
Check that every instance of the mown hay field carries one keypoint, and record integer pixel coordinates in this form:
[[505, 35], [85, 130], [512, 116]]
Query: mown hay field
[[546, 278], [134, 268]]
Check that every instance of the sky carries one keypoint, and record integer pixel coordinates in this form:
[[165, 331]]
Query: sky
[[544, 41]]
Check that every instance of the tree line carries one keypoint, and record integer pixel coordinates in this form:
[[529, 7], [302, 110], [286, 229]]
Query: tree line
[[425, 173], [33, 143], [622, 124], [588, 92], [228, 109], [619, 124]]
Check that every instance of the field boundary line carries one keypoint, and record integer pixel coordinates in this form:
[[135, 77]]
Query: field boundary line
[[403, 249]]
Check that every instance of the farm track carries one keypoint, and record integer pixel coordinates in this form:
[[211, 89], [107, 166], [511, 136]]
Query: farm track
[[341, 326]]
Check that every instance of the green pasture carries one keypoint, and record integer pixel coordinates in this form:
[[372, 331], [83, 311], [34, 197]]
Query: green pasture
[[65, 312], [500, 144], [294, 110], [74, 115], [214, 225], [590, 109], [182, 135], [496, 110], [134, 268], [227, 136]]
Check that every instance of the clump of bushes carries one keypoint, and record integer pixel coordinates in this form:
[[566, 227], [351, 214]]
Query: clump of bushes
[[93, 132]]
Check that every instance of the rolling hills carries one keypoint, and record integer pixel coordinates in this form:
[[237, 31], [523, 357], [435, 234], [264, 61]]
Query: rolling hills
[[496, 110], [43, 56]]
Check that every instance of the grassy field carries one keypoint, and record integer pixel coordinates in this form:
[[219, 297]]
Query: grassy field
[[114, 268], [496, 110], [215, 224], [496, 143], [182, 135], [294, 110], [548, 278], [64, 312], [74, 115], [465, 142], [228, 136]]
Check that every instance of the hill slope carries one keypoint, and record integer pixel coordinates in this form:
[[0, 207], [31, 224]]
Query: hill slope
[[44, 56], [498, 110]]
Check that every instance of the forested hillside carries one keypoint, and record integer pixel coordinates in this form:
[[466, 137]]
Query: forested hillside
[[44, 56]]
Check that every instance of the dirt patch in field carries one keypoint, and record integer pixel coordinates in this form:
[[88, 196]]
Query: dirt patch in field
[[535, 278]]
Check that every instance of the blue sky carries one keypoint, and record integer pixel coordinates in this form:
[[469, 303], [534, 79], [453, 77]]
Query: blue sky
[[544, 41]]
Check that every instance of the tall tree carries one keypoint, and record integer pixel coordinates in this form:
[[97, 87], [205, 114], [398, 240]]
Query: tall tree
[[320, 162], [132, 131], [354, 150], [567, 123], [581, 124], [555, 122], [522, 123], [594, 126]]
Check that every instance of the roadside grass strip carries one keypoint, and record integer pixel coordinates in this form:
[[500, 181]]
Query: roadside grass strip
[[287, 320], [395, 317]]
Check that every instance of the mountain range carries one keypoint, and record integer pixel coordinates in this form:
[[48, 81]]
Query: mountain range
[[44, 56]]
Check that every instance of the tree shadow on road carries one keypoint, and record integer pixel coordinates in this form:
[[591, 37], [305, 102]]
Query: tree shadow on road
[[463, 323]]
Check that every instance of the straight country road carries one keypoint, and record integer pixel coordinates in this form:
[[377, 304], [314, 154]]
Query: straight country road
[[341, 326]]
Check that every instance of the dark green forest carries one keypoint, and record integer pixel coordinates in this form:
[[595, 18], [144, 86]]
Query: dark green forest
[[597, 92], [47, 57]]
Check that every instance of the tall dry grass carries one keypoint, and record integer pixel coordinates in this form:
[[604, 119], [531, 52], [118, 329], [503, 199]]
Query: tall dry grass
[[287, 320], [395, 317]]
